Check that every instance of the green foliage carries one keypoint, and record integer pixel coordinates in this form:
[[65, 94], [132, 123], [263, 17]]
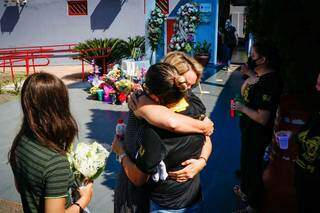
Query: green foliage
[[202, 48], [292, 27], [137, 42], [117, 48]]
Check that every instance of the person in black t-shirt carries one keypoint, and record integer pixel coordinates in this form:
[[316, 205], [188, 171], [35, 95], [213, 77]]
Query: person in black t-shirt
[[307, 169], [129, 198], [163, 146], [261, 96]]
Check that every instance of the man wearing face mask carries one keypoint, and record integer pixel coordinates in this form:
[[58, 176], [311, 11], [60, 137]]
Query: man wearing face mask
[[261, 94], [307, 168]]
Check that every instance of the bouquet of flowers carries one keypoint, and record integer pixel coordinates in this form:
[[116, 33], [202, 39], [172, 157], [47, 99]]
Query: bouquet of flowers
[[124, 86], [114, 75], [188, 18], [154, 27], [87, 161], [93, 90]]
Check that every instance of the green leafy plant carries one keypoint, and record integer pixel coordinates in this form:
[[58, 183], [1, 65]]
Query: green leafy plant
[[202, 48], [133, 43], [116, 47]]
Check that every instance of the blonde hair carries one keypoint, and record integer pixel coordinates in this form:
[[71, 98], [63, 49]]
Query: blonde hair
[[184, 63]]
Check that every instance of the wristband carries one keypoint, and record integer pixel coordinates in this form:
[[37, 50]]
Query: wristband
[[205, 160], [80, 208], [121, 157]]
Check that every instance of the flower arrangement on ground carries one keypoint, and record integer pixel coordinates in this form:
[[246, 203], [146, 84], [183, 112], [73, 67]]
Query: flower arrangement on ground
[[154, 27], [115, 86], [188, 18]]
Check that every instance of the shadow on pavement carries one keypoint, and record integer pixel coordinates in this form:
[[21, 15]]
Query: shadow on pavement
[[101, 129], [218, 178]]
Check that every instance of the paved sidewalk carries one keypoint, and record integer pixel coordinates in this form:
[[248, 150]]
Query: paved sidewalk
[[97, 123]]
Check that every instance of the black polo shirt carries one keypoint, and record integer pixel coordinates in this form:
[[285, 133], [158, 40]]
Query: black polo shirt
[[264, 95], [157, 145]]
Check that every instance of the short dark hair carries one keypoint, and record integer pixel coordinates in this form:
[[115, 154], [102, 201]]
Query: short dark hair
[[164, 81]]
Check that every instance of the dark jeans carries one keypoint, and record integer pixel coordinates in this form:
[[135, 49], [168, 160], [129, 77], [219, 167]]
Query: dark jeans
[[307, 188], [254, 141]]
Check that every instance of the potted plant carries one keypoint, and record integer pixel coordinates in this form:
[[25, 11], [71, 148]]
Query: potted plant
[[202, 52]]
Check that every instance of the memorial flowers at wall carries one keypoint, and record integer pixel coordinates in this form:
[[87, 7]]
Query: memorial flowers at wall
[[188, 18], [155, 27], [114, 86]]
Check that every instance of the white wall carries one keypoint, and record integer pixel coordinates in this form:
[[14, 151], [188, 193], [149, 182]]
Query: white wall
[[237, 14], [46, 22]]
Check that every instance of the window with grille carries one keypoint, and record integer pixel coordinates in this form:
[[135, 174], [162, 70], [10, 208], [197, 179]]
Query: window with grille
[[163, 5], [77, 7]]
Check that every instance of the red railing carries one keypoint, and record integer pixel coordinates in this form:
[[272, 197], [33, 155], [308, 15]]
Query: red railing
[[28, 56]]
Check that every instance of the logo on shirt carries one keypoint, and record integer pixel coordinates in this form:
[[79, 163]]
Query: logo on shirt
[[310, 150], [246, 94], [141, 151]]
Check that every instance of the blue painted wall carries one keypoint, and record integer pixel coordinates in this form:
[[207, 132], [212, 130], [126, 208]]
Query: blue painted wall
[[208, 31], [44, 22]]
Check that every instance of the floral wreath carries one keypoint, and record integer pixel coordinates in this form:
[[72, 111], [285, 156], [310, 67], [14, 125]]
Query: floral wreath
[[188, 18], [154, 27]]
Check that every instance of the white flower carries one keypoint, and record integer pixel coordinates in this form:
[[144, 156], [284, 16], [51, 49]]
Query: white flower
[[89, 158]]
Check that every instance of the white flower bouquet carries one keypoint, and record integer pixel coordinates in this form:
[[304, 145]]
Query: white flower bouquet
[[87, 161]]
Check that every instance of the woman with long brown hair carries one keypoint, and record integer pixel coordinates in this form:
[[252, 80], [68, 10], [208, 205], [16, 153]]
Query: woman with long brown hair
[[38, 154]]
